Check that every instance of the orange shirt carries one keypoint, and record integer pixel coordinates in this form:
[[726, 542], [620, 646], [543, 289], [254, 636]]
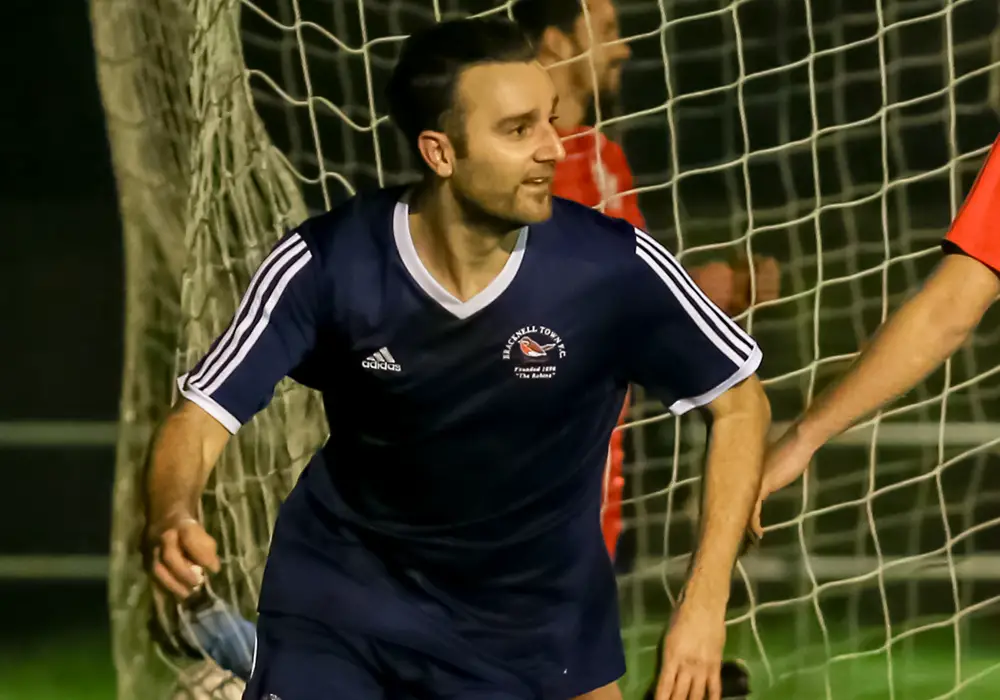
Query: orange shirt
[[588, 180], [976, 228]]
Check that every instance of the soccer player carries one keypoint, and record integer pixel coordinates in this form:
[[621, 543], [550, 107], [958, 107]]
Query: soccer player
[[596, 170], [473, 338], [915, 340]]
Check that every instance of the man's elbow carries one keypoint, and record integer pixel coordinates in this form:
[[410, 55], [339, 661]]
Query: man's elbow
[[747, 399], [189, 424], [757, 401]]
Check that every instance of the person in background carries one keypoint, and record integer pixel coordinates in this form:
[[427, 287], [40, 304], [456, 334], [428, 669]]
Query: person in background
[[595, 169]]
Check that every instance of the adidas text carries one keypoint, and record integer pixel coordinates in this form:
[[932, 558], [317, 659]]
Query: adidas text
[[372, 363], [382, 360]]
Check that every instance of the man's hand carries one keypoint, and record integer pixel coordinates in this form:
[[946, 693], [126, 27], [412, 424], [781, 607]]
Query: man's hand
[[784, 462], [185, 449], [692, 653], [715, 279], [729, 287], [179, 552], [766, 282]]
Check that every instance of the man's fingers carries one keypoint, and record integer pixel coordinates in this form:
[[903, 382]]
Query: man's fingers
[[700, 684], [184, 570], [168, 581], [180, 556], [717, 281], [199, 547], [766, 279], [755, 526], [682, 685], [715, 685], [667, 679]]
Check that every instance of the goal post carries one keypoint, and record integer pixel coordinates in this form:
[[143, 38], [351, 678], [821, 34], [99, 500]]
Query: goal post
[[203, 195], [838, 136]]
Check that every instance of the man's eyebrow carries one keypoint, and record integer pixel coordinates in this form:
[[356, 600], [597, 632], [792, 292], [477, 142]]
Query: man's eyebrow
[[518, 118]]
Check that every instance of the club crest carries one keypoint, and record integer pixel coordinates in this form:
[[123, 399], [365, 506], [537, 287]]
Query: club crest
[[535, 352]]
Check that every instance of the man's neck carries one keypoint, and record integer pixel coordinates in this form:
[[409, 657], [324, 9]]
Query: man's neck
[[461, 253]]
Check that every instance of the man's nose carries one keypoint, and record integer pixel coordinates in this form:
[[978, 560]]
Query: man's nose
[[552, 149]]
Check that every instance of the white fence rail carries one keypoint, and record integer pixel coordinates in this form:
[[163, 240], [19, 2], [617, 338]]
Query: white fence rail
[[89, 434]]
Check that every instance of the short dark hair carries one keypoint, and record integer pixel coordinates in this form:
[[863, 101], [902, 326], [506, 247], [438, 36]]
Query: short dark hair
[[421, 90], [535, 16]]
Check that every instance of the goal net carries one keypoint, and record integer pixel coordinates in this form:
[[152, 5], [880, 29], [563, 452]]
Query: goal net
[[838, 136]]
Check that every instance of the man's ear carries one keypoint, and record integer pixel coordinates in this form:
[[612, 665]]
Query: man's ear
[[437, 151], [554, 46]]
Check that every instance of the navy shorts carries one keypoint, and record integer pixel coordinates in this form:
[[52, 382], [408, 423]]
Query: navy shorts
[[300, 659]]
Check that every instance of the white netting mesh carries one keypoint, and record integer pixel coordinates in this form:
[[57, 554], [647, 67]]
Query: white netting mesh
[[838, 136]]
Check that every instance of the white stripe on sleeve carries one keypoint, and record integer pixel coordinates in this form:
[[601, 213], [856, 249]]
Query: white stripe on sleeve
[[261, 324], [244, 324], [694, 301], [208, 404], [698, 318], [681, 406], [271, 262]]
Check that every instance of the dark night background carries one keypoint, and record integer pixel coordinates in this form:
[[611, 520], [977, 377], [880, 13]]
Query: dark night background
[[62, 274], [61, 286]]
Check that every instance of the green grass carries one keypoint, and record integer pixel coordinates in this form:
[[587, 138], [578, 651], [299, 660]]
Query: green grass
[[55, 643], [800, 674], [76, 665], [71, 665], [56, 646]]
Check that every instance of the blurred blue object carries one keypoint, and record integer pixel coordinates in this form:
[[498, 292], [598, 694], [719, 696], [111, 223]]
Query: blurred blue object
[[221, 634]]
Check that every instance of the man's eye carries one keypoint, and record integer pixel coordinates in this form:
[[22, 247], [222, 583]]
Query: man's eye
[[520, 130]]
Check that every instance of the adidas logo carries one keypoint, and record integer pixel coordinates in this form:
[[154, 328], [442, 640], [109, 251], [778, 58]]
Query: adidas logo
[[382, 360]]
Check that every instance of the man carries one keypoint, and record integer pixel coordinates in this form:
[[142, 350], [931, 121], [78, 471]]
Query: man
[[595, 169], [584, 54], [915, 340], [473, 338]]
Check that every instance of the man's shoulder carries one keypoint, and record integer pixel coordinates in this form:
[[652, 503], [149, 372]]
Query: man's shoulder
[[356, 224], [587, 228], [566, 211]]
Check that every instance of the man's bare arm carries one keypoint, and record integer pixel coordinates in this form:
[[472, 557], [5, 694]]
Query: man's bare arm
[[185, 450], [916, 340], [693, 647], [740, 419]]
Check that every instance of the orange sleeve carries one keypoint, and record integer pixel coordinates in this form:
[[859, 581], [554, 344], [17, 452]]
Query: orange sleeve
[[976, 228], [618, 164]]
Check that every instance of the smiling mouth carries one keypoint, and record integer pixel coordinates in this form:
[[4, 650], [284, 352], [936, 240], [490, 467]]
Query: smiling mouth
[[539, 181]]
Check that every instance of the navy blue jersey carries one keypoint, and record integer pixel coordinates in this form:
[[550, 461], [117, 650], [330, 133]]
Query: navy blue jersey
[[460, 488]]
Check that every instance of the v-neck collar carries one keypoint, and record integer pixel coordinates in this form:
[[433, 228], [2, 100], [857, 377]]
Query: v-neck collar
[[448, 301]]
